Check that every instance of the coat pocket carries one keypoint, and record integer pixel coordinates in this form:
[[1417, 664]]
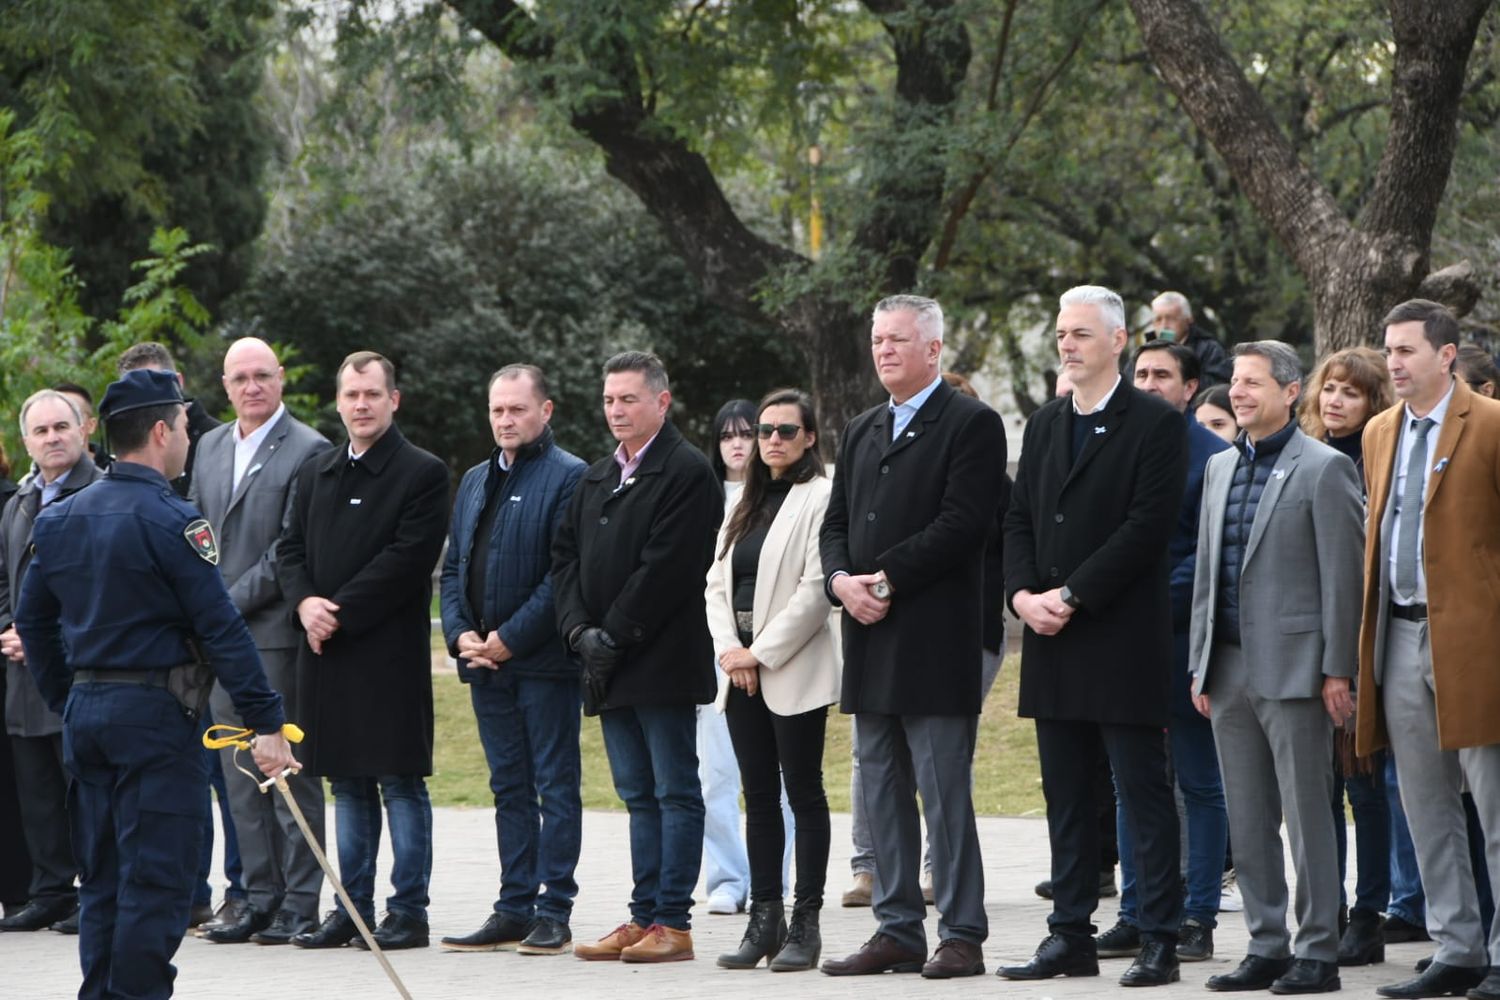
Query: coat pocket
[[1291, 624]]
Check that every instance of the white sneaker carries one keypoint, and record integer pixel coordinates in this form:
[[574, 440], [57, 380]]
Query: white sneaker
[[1230, 900], [723, 901]]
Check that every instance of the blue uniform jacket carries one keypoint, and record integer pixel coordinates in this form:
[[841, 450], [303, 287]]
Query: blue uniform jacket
[[1203, 444], [117, 583], [518, 561]]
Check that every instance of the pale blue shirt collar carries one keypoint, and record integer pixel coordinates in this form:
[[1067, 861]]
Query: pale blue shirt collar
[[902, 413]]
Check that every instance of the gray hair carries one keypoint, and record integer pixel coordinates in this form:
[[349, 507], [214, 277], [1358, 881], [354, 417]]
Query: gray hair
[[1175, 299], [1286, 367], [45, 394], [928, 313], [648, 364], [1111, 307]]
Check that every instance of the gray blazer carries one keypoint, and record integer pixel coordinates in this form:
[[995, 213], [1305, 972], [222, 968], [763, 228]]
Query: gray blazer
[[248, 520], [1301, 585]]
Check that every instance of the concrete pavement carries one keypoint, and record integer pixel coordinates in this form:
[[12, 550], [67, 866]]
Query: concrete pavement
[[44, 965]]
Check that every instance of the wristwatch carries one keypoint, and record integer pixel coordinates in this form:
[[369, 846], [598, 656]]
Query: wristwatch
[[881, 589], [1068, 598]]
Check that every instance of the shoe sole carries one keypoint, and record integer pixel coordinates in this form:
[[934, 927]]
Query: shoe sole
[[899, 967], [531, 949], [974, 970], [498, 946], [1330, 986], [1119, 952], [588, 956], [1174, 976], [1194, 958], [1017, 976], [1375, 957], [795, 968], [686, 956], [854, 901]]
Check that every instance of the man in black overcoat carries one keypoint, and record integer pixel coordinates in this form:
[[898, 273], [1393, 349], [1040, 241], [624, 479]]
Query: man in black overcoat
[[915, 489], [1095, 501], [628, 565], [365, 529]]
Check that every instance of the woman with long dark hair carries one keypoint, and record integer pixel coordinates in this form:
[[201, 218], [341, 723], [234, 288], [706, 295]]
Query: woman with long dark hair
[[772, 631]]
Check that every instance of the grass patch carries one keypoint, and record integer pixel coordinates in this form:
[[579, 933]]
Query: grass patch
[[1006, 776]]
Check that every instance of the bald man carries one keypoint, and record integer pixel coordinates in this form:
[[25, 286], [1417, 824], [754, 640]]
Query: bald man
[[243, 480]]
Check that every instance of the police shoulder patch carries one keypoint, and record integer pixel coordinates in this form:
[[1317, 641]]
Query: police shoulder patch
[[200, 535]]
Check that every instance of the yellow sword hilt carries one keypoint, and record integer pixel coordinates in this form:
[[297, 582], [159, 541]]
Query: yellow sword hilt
[[235, 736]]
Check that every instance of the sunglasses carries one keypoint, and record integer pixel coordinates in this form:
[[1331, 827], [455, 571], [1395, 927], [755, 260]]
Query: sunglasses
[[747, 433], [787, 431]]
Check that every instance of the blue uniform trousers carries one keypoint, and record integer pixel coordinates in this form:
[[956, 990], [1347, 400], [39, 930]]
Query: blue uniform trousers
[[137, 810]]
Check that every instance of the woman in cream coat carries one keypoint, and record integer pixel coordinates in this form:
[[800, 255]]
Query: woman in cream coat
[[772, 631]]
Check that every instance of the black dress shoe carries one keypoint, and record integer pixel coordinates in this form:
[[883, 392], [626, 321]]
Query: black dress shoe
[[1437, 980], [229, 912], [501, 932], [1107, 886], [547, 937], [1308, 975], [336, 931], [284, 926], [1057, 955], [1254, 973], [238, 932], [1120, 941], [1489, 989], [200, 914], [1398, 930], [40, 913], [397, 932], [68, 924], [1363, 943], [1156, 965]]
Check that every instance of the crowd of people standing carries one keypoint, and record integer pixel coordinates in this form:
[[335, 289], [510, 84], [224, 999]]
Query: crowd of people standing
[[1224, 591]]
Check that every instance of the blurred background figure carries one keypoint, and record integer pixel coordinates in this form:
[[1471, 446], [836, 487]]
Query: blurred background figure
[[1212, 410]]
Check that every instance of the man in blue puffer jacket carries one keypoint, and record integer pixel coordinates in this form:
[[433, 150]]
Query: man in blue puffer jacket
[[499, 621]]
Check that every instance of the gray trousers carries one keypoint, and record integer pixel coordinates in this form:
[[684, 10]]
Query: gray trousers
[[863, 857], [1432, 781], [280, 871], [931, 754], [1276, 758]]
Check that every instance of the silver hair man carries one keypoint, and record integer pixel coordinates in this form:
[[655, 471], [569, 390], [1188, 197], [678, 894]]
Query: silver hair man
[[929, 313], [1111, 308]]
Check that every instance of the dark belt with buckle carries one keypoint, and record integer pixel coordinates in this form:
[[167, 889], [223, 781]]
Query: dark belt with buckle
[[1409, 612], [152, 678]]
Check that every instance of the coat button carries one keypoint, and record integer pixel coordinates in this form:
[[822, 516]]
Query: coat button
[[1058, 518], [870, 516], [1052, 572], [884, 469], [604, 520]]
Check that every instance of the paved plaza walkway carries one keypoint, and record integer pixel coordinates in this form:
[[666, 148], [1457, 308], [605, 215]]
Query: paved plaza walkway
[[44, 966]]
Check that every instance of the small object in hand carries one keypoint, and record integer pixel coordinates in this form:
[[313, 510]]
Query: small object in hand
[[881, 589]]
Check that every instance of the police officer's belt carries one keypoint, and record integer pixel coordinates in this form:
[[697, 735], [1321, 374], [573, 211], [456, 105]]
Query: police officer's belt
[[154, 678]]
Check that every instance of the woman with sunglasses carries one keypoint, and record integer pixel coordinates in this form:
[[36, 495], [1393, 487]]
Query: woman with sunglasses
[[772, 631]]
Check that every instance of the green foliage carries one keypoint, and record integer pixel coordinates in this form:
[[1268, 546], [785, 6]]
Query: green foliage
[[455, 268]]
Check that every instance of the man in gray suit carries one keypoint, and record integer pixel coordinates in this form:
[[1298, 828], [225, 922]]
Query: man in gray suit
[[243, 483], [1273, 645]]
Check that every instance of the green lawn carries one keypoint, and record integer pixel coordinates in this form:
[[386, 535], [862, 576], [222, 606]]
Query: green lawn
[[1006, 778]]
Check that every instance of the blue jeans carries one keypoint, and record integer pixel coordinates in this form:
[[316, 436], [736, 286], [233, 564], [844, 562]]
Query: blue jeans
[[1408, 901], [655, 769], [1195, 762], [1372, 833], [203, 892], [356, 811], [529, 729]]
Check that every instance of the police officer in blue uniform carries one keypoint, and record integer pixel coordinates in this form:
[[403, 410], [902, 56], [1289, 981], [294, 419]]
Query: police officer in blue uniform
[[122, 616]]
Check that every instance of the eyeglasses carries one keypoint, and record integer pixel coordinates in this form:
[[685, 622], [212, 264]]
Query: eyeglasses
[[744, 433], [787, 431]]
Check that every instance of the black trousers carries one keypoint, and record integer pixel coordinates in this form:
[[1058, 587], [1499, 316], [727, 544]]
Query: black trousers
[[770, 749], [15, 860], [42, 786], [1137, 754]]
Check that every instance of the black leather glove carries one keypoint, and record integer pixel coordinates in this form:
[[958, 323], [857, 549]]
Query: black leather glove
[[600, 655]]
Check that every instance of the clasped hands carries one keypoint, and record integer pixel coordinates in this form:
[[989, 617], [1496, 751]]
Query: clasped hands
[[855, 592], [1044, 613], [488, 652], [319, 620], [743, 670]]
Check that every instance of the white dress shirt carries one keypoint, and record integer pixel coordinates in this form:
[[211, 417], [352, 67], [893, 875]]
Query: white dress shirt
[[246, 447]]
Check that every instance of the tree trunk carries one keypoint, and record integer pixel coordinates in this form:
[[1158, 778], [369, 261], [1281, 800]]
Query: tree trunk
[[1356, 269]]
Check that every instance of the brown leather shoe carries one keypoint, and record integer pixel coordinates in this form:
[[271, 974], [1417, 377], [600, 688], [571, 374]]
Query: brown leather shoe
[[860, 892], [954, 959], [608, 948], [660, 944], [879, 954]]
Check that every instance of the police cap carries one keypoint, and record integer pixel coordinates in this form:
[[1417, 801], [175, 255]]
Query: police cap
[[141, 388]]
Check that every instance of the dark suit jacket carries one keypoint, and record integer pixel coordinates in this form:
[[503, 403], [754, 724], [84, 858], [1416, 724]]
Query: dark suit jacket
[[366, 535], [633, 559], [249, 520], [1100, 525], [918, 508]]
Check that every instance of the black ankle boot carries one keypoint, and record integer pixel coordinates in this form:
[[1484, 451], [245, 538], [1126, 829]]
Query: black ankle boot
[[803, 942], [763, 937]]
